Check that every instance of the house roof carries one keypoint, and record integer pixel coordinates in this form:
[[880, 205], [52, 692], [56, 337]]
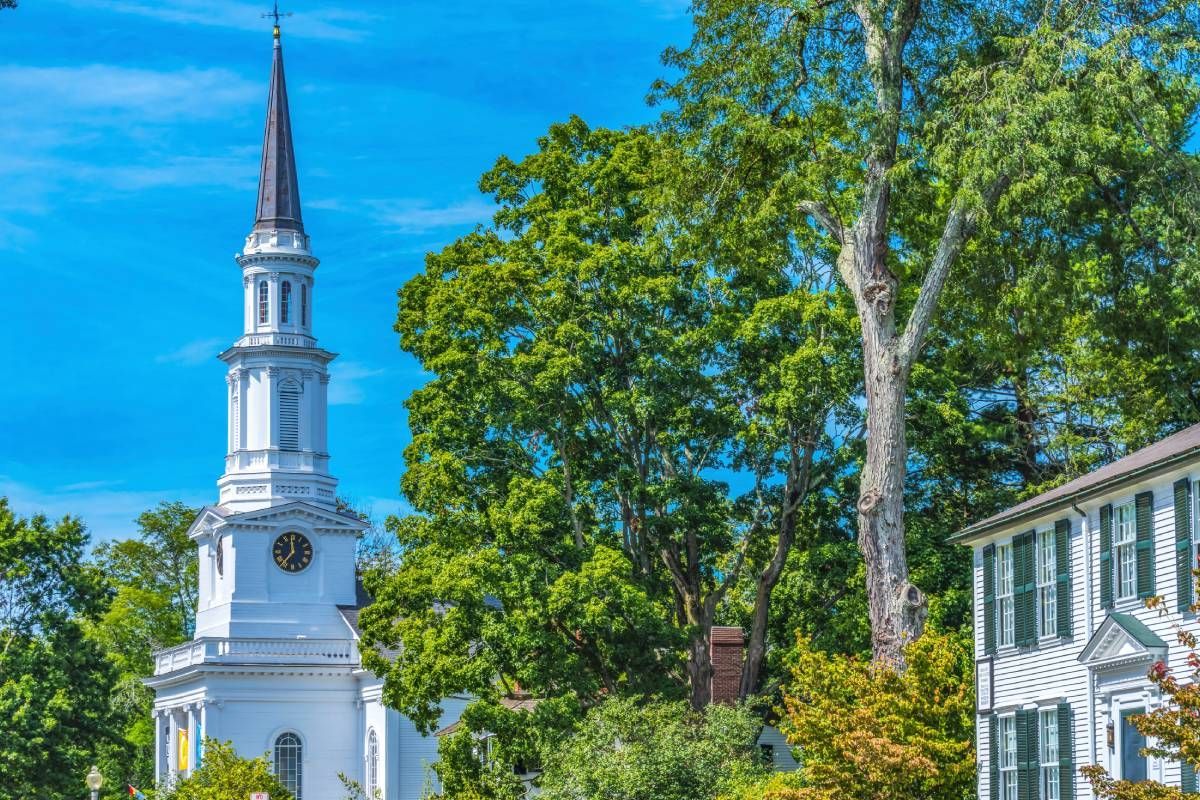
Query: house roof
[[520, 702], [1158, 457]]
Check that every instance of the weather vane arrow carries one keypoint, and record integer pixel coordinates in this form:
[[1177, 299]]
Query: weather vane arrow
[[275, 15]]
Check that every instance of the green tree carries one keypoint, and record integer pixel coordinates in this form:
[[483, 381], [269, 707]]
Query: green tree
[[904, 130], [623, 424], [223, 775], [54, 684], [624, 750], [153, 577]]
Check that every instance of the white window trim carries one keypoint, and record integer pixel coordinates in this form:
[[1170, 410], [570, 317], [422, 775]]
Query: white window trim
[[1049, 586], [1048, 769], [1004, 565], [1130, 543]]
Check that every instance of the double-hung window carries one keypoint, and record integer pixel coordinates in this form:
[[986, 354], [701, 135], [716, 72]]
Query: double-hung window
[[264, 303], [1047, 594], [1006, 749], [1048, 772], [1125, 525], [1004, 594]]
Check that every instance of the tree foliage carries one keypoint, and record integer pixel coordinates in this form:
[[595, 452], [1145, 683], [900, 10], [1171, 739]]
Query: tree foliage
[[620, 428], [868, 731], [626, 750], [224, 775], [54, 684]]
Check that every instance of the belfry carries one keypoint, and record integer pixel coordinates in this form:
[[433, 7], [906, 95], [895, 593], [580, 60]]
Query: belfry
[[274, 665]]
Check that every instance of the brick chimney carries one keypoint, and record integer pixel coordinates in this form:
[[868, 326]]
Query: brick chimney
[[725, 649]]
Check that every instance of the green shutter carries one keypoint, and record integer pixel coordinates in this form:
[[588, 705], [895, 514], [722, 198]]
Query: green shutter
[[1062, 563], [1187, 777], [1027, 755], [1066, 752], [989, 599], [994, 758], [1144, 508], [1183, 542], [1106, 564], [1025, 589]]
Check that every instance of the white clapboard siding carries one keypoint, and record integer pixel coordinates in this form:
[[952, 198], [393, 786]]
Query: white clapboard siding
[[1052, 672]]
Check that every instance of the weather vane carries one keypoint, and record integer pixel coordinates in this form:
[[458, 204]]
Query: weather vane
[[275, 15]]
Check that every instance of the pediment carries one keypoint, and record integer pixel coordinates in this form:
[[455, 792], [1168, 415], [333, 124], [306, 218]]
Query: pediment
[[209, 519], [1122, 640]]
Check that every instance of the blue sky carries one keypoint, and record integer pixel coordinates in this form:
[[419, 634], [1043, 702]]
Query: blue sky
[[129, 146]]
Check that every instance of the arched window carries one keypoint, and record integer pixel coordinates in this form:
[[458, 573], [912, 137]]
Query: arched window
[[289, 416], [372, 764], [285, 302], [289, 762], [264, 303], [304, 304]]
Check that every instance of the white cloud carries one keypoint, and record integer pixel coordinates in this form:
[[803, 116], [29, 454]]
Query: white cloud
[[338, 24], [416, 216], [87, 486], [346, 382], [149, 94], [201, 351], [107, 512]]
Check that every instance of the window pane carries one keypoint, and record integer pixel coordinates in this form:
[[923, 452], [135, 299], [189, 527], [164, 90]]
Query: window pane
[[288, 763]]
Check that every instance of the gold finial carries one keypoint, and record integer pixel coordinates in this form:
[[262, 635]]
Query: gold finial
[[276, 31]]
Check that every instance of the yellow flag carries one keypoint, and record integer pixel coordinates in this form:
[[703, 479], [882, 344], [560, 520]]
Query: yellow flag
[[183, 748]]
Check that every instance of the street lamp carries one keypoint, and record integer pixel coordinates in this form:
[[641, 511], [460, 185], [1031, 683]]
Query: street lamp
[[94, 781]]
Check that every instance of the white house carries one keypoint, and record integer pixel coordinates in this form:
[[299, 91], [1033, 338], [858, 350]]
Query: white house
[[1063, 638], [275, 666]]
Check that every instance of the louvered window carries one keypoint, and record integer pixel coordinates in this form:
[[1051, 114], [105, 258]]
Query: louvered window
[[264, 302], [285, 302], [289, 417], [304, 304]]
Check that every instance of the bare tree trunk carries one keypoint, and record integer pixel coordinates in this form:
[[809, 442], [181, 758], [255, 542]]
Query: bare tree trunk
[[896, 607]]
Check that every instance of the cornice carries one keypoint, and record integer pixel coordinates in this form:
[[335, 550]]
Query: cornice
[[247, 260]]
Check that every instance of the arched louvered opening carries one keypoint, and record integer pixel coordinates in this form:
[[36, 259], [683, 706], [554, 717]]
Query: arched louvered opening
[[289, 417]]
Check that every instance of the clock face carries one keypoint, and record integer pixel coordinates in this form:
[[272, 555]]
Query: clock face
[[292, 552]]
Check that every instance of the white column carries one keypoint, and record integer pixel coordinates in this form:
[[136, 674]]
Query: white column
[[172, 745], [158, 746]]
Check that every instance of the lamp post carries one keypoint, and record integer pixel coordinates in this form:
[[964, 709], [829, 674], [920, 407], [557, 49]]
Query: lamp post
[[94, 781]]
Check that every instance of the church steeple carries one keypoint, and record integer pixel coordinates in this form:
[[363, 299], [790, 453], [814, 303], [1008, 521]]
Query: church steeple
[[278, 188], [278, 377]]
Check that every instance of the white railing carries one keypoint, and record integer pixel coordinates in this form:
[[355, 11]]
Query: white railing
[[278, 339], [210, 650]]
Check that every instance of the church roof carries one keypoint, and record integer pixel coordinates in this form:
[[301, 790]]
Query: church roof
[[278, 188]]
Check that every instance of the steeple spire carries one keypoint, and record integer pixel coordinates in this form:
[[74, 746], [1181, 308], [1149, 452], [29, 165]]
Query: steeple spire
[[278, 188]]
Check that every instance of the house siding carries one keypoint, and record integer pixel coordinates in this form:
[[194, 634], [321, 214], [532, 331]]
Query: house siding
[[1052, 672]]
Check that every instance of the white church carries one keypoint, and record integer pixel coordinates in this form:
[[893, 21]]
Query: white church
[[274, 666]]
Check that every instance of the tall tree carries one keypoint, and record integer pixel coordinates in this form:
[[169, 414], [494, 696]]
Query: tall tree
[[618, 430], [907, 128], [154, 584], [54, 684]]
